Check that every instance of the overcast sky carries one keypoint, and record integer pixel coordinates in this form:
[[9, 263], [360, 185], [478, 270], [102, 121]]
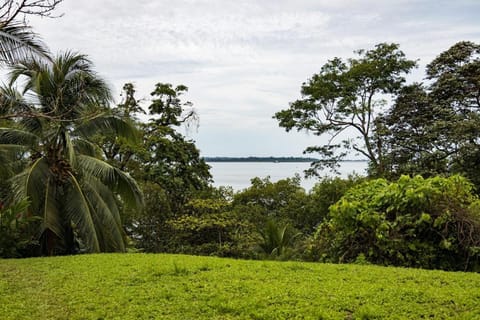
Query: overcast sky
[[245, 60]]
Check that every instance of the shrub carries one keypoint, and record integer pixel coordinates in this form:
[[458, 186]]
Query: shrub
[[16, 231], [211, 228], [324, 194], [414, 222]]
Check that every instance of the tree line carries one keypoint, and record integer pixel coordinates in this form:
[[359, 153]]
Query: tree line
[[80, 174]]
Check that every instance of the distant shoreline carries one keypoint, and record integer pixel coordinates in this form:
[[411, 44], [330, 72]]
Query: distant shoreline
[[266, 159]]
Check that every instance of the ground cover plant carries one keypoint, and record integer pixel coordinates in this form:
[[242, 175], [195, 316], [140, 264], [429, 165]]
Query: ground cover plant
[[159, 286]]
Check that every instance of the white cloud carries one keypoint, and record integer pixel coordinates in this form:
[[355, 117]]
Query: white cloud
[[245, 60]]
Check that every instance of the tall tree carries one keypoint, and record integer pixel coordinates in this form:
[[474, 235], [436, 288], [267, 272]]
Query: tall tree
[[174, 162], [456, 87], [415, 134], [435, 129], [342, 102], [167, 165], [165, 157], [63, 104]]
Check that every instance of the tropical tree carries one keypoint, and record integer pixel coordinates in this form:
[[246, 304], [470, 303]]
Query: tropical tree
[[166, 164], [343, 101], [416, 134], [435, 129], [62, 103]]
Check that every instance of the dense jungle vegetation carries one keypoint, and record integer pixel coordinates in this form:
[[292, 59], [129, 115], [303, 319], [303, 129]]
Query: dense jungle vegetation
[[82, 175]]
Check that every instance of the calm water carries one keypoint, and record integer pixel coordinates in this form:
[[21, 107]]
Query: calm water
[[238, 174]]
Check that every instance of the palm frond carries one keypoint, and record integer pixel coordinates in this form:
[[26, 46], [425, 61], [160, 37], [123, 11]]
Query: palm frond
[[31, 124], [87, 148], [52, 218], [10, 136], [114, 178], [106, 216], [18, 42], [109, 198], [28, 68], [12, 102], [31, 183], [81, 85], [109, 124], [70, 149], [8, 155], [77, 210]]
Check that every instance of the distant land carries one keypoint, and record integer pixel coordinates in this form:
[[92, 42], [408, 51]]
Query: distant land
[[265, 159], [259, 159]]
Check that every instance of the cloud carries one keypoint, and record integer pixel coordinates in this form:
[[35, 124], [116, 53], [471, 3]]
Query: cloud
[[245, 60]]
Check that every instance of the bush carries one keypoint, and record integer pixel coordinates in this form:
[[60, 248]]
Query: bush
[[324, 194], [414, 222], [211, 228], [284, 201], [147, 228], [16, 231]]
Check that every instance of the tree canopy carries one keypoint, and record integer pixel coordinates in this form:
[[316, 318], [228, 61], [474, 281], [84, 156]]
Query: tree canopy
[[434, 129], [342, 102]]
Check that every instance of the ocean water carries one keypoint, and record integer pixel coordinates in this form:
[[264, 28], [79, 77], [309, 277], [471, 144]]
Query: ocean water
[[238, 174]]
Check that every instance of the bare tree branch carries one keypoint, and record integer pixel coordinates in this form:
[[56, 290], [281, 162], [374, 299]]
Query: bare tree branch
[[14, 9]]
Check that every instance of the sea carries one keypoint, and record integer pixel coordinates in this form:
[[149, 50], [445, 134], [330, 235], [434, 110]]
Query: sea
[[238, 174]]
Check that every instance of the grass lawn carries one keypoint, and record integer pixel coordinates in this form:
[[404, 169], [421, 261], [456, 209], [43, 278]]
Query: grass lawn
[[148, 286]]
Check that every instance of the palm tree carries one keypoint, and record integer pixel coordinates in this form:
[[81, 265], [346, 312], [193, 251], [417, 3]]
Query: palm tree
[[276, 238], [61, 106]]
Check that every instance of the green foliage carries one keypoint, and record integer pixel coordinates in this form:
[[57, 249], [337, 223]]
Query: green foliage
[[345, 97], [172, 161], [17, 40], [16, 230], [168, 107], [414, 222], [146, 286], [74, 192], [281, 200], [325, 193], [278, 240], [211, 227], [435, 129], [167, 165], [264, 220], [147, 227], [413, 130]]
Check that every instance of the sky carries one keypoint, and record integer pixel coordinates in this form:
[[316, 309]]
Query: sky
[[243, 61]]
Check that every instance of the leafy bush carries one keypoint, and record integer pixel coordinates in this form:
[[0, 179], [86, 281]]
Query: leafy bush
[[16, 234], [414, 222], [147, 228], [264, 220], [211, 228], [324, 194], [284, 201]]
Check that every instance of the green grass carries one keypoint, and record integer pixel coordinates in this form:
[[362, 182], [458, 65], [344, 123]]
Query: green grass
[[142, 286]]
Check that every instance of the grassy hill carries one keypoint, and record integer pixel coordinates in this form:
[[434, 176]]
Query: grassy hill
[[142, 286]]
